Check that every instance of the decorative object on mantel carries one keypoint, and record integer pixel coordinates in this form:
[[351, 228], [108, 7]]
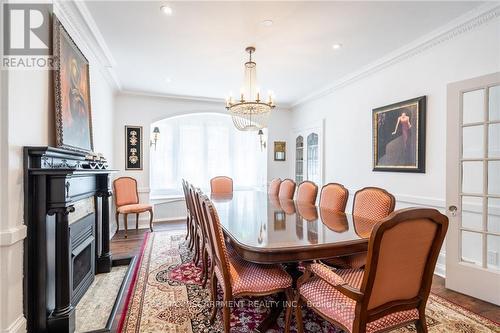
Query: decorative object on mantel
[[133, 147], [399, 136], [155, 137], [72, 93], [279, 150], [250, 113]]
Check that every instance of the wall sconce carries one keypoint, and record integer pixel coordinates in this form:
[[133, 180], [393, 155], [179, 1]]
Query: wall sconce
[[262, 142], [155, 137]]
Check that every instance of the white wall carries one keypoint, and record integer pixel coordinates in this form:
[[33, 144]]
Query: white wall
[[348, 124], [28, 119], [143, 110]]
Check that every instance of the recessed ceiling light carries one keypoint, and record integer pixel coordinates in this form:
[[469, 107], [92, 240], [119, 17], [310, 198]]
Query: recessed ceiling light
[[267, 23], [168, 80], [336, 46], [167, 10]]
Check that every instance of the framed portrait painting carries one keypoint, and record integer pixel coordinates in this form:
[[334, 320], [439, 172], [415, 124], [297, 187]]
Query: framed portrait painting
[[399, 136], [133, 147], [72, 93]]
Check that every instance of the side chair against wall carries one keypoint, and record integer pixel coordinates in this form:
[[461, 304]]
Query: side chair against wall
[[287, 189], [239, 278], [307, 192], [333, 196], [274, 187], [127, 202], [393, 289], [372, 204], [221, 185]]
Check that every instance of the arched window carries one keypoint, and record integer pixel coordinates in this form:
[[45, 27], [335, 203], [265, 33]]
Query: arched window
[[200, 146]]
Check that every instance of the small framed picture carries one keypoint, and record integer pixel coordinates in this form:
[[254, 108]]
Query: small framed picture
[[399, 136], [279, 150], [133, 147]]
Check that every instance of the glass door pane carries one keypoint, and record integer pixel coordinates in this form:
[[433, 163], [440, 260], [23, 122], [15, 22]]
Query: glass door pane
[[299, 159], [494, 103], [473, 107], [312, 158]]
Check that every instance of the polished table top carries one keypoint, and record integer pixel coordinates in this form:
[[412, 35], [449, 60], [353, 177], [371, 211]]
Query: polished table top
[[266, 229]]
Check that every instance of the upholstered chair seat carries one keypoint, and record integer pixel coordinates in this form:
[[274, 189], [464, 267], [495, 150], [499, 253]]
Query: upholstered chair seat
[[247, 277], [134, 208]]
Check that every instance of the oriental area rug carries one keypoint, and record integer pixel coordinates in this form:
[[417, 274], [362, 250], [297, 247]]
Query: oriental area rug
[[166, 296]]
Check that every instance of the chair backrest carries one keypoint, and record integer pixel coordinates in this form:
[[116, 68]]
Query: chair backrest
[[402, 255], [125, 189], [307, 192], [334, 196], [185, 190], [274, 187], [287, 189], [373, 203], [221, 184], [220, 255]]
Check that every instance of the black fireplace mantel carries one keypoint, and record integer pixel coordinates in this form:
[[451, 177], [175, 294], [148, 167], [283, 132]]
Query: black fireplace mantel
[[56, 181]]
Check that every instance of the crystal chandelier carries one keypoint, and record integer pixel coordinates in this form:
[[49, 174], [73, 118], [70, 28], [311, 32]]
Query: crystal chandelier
[[250, 113]]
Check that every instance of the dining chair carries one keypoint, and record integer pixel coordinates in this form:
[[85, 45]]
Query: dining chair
[[371, 204], [392, 290], [127, 202], [197, 228], [221, 185], [188, 213], [237, 277], [192, 218], [334, 196], [274, 187], [287, 189], [203, 234], [307, 192]]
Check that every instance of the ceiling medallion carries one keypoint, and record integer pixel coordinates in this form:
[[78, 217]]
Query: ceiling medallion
[[250, 113]]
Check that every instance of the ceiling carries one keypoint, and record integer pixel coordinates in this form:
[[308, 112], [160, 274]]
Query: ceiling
[[199, 49]]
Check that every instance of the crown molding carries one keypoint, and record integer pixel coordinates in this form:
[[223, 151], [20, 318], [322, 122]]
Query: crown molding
[[461, 25], [184, 97], [77, 19], [171, 96]]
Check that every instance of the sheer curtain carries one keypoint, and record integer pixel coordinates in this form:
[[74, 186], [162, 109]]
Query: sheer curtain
[[197, 147]]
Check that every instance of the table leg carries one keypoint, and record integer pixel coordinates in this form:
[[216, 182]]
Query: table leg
[[277, 309]]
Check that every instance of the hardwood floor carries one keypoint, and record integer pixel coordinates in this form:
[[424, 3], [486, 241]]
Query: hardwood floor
[[124, 247]]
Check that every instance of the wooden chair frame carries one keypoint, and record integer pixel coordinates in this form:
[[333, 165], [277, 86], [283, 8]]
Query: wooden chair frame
[[228, 296], [125, 215], [342, 187], [363, 315]]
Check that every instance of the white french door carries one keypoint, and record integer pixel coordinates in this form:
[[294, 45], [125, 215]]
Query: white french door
[[473, 187], [308, 153]]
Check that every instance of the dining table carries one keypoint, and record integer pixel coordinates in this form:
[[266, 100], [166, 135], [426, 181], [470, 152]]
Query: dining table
[[266, 229]]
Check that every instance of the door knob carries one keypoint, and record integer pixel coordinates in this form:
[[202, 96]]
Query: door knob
[[453, 210]]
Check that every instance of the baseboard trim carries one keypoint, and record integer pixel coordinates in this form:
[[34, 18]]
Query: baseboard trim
[[18, 326]]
